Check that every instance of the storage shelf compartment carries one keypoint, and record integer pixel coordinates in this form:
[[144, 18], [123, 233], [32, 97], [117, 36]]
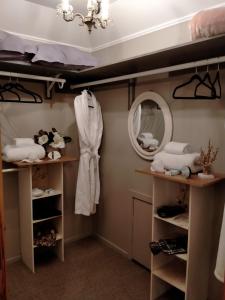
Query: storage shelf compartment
[[46, 195], [179, 221], [172, 294], [173, 273], [59, 237]]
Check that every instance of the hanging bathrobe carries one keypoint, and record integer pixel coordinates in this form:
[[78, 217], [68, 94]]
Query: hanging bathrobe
[[220, 263], [90, 127]]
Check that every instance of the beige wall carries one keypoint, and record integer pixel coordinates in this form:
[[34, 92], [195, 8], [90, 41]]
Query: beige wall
[[158, 40], [24, 120], [194, 122]]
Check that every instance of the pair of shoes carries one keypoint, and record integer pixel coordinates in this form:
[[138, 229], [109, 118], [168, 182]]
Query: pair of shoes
[[170, 246]]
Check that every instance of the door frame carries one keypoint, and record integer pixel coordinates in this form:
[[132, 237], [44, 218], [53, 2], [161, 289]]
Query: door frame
[[2, 249]]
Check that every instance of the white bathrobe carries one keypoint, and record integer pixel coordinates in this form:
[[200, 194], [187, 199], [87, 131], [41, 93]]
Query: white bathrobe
[[220, 263], [90, 128]]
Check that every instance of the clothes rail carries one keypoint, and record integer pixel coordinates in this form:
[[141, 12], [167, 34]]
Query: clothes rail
[[185, 66], [50, 80]]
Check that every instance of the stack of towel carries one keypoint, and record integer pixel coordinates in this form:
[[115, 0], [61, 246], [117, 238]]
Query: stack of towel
[[176, 156], [23, 149], [147, 141]]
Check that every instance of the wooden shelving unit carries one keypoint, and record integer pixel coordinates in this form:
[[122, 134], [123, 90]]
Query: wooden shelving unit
[[45, 175], [188, 273]]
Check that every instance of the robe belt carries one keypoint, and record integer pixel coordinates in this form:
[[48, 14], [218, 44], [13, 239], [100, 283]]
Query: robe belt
[[93, 154]]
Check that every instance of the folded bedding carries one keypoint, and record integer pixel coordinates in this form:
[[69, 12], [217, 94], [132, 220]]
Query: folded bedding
[[13, 153], [13, 47], [167, 161]]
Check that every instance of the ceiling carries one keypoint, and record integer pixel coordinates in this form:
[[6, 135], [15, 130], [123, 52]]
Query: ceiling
[[130, 19]]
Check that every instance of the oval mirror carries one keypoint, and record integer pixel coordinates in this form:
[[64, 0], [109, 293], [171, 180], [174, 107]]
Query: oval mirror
[[149, 124]]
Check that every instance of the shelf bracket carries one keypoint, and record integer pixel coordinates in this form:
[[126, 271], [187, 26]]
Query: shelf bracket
[[50, 85]]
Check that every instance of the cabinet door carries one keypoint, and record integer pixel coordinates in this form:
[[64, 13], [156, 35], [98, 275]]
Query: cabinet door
[[2, 257], [142, 231]]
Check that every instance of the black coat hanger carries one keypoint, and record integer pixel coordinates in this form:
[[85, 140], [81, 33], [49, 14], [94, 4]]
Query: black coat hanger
[[206, 78], [11, 87], [199, 82]]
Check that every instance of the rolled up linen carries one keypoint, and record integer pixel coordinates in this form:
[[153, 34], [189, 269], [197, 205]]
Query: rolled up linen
[[178, 162], [150, 143], [177, 148], [13, 153], [24, 141]]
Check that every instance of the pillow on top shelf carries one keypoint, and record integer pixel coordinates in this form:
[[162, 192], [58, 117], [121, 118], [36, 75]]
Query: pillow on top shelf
[[208, 23], [64, 55]]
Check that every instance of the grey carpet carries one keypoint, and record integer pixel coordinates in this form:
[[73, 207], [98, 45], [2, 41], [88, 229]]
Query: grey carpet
[[91, 271]]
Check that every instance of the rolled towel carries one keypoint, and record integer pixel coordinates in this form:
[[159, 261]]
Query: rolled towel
[[13, 153], [23, 141], [220, 263], [145, 135], [178, 162], [177, 148], [146, 143]]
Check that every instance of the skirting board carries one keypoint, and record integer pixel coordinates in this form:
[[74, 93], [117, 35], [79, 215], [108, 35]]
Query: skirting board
[[112, 245]]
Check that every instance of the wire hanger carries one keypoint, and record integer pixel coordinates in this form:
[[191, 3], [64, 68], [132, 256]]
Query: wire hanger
[[14, 88], [89, 92], [211, 87], [199, 80]]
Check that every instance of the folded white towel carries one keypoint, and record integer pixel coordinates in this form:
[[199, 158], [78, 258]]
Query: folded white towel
[[145, 135], [23, 141], [220, 263], [177, 148], [178, 162], [13, 153]]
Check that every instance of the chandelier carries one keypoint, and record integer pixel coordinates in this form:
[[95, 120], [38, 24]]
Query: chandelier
[[97, 13]]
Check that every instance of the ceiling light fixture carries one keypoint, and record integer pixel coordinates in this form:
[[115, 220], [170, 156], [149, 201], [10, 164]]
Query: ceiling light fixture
[[97, 16]]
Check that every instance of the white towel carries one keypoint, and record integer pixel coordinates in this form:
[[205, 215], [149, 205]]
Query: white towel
[[13, 153], [220, 263], [177, 148], [23, 141], [178, 162], [145, 135]]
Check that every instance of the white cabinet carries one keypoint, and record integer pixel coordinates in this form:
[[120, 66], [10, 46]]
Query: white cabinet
[[141, 228], [41, 212], [188, 274]]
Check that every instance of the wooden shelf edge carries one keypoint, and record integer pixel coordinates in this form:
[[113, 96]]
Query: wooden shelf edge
[[63, 159], [46, 219], [193, 181], [173, 221]]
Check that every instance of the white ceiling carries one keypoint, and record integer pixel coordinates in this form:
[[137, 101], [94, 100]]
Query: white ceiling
[[130, 18]]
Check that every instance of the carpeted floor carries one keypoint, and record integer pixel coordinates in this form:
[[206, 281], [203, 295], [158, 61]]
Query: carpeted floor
[[91, 271]]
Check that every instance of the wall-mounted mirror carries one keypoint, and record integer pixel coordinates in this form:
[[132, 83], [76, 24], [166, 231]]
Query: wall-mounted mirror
[[149, 124]]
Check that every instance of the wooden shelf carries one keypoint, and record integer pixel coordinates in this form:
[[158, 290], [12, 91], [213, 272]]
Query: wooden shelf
[[58, 238], [183, 257], [47, 195], [45, 161], [179, 222], [193, 181], [46, 219], [173, 273]]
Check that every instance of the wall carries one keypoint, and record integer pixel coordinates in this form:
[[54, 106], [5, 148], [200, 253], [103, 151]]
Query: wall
[[25, 120], [194, 122]]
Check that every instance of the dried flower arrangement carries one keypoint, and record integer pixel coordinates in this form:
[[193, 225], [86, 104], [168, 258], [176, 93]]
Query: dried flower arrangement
[[52, 141], [207, 158]]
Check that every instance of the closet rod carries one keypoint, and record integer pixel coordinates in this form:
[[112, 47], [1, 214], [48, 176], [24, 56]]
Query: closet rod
[[199, 63], [34, 77]]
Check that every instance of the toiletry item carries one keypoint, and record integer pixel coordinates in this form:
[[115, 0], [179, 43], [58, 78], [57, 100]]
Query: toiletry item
[[169, 211]]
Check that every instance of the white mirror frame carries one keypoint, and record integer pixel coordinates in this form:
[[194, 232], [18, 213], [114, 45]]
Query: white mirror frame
[[167, 119]]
